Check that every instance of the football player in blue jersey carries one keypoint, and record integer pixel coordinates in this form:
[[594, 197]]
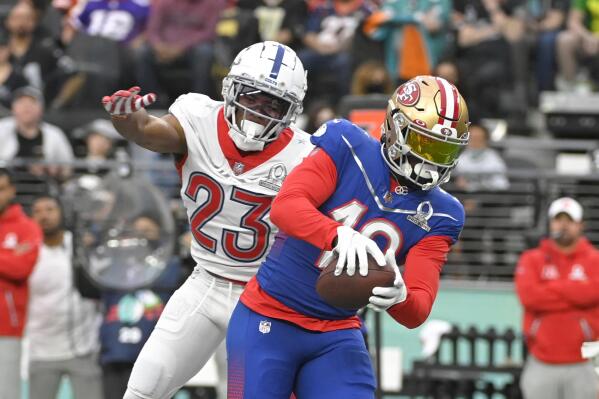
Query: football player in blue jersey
[[353, 196]]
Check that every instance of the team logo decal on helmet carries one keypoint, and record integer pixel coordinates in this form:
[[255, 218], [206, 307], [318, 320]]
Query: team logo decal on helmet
[[446, 131], [408, 94]]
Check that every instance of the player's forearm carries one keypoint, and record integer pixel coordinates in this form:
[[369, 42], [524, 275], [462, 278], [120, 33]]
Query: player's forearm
[[421, 276], [132, 126], [298, 218], [295, 209], [414, 310], [131, 120]]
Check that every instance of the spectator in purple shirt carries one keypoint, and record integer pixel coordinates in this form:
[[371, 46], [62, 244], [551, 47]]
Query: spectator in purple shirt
[[120, 21], [180, 31], [123, 21]]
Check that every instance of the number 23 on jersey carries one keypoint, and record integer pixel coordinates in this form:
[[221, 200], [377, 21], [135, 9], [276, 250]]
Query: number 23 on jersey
[[251, 222]]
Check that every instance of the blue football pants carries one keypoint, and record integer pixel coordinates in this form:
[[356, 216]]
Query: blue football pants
[[271, 358]]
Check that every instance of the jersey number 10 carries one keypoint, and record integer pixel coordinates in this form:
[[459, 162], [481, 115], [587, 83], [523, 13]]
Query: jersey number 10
[[350, 215]]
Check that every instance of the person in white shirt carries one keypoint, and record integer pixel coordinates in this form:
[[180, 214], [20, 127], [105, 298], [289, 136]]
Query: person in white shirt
[[26, 135], [62, 327], [480, 167]]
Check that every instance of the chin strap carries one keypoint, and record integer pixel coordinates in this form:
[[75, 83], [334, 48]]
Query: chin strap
[[247, 142], [428, 172], [421, 170]]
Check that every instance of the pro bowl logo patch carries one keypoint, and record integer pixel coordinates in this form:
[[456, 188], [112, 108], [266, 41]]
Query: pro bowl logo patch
[[408, 94], [275, 178]]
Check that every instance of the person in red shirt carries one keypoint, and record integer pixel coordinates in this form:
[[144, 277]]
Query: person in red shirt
[[20, 240], [558, 286]]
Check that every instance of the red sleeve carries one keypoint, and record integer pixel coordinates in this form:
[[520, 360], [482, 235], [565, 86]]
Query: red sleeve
[[295, 208], [18, 267], [578, 293], [535, 295], [421, 276], [584, 293]]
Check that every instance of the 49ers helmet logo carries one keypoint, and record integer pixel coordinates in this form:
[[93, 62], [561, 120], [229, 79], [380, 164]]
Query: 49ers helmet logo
[[408, 94], [446, 131]]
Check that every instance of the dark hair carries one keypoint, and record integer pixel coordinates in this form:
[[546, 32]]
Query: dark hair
[[482, 127], [48, 196], [7, 173], [313, 111]]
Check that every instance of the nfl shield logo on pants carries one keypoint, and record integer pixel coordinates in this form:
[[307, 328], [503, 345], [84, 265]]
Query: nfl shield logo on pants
[[264, 327]]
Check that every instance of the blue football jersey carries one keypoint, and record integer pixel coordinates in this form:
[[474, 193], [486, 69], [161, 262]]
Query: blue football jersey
[[364, 201]]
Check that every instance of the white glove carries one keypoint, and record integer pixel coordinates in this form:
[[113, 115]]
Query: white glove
[[125, 102], [351, 243], [385, 297]]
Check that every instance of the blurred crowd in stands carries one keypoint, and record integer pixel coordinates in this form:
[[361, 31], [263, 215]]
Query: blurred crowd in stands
[[500, 53], [64, 55]]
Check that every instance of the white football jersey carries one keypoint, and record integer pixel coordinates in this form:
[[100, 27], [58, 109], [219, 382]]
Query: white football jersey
[[229, 208]]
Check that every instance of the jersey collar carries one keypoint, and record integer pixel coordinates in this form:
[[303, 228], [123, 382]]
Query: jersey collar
[[244, 161]]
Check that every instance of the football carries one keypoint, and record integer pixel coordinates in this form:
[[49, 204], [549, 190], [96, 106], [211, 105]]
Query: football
[[352, 292]]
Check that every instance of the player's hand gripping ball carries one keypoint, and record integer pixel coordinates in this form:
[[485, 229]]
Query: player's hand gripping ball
[[352, 248], [353, 292], [384, 297], [125, 102]]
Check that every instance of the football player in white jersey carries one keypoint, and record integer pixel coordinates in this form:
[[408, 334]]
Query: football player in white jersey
[[232, 157]]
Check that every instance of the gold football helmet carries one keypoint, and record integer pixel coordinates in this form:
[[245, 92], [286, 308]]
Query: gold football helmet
[[425, 130]]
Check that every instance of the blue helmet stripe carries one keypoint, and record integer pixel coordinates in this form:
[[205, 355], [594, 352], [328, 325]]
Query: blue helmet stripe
[[276, 66]]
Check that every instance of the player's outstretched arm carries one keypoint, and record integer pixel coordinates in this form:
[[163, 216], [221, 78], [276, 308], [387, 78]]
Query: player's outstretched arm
[[132, 121]]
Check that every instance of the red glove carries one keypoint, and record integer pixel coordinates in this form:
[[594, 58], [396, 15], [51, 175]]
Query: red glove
[[125, 102]]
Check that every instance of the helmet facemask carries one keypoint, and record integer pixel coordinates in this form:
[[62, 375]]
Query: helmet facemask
[[255, 115]]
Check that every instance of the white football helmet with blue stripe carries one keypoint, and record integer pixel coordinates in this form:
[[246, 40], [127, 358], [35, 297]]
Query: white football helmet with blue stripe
[[263, 93]]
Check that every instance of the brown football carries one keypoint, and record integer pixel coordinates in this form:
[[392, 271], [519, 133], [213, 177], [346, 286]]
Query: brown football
[[352, 292]]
